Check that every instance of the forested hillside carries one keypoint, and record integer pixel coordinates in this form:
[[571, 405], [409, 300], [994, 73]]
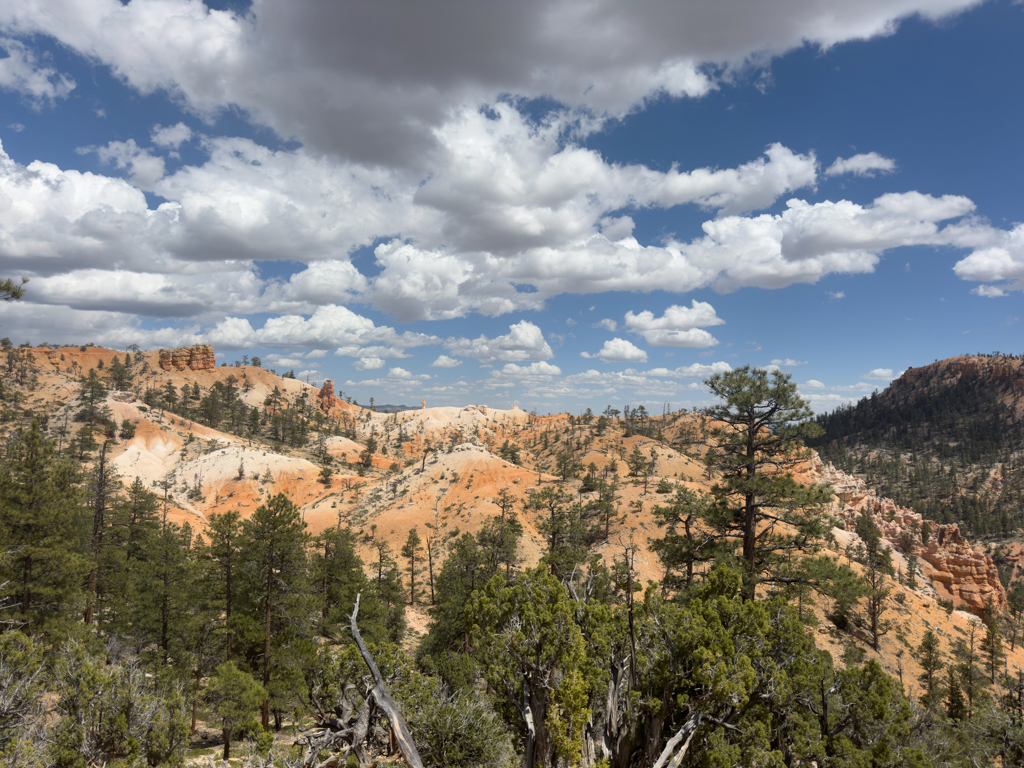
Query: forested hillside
[[182, 549], [946, 440]]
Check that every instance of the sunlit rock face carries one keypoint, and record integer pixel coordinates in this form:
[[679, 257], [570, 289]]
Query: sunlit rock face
[[196, 358]]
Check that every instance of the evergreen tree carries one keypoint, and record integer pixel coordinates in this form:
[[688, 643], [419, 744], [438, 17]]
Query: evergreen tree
[[413, 552], [273, 544], [103, 487], [234, 696], [931, 664], [569, 533], [877, 561], [43, 529], [956, 707], [759, 505], [684, 544], [222, 558], [992, 644], [129, 546]]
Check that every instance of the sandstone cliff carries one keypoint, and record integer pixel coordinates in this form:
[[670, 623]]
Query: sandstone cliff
[[959, 571], [196, 358]]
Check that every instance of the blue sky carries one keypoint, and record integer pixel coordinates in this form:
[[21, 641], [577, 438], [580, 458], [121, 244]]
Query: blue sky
[[559, 204]]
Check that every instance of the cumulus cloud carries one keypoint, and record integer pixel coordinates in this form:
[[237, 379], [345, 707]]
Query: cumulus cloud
[[677, 327], [317, 70], [249, 202], [618, 351], [284, 361], [171, 136], [472, 205], [401, 373], [524, 341], [329, 326], [998, 257], [813, 384], [443, 361], [788, 362], [866, 164], [695, 371], [21, 72], [143, 168], [879, 374], [608, 325], [368, 363], [397, 379]]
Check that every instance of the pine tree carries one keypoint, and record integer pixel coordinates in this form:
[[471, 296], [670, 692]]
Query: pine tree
[[222, 558], [758, 502], [43, 529], [413, 552], [234, 696], [129, 545], [104, 485], [992, 643], [956, 707], [877, 561], [931, 663], [273, 545], [684, 544]]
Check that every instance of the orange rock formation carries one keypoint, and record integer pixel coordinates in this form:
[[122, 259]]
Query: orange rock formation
[[963, 572], [196, 358], [326, 396]]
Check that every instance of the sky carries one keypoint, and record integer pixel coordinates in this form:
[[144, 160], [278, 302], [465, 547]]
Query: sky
[[562, 204]]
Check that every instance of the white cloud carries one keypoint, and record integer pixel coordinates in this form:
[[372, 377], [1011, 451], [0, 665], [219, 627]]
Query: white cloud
[[618, 351], [998, 257], [879, 374], [401, 373], [677, 327], [357, 336], [788, 362], [16, 127], [143, 168], [21, 72], [525, 341], [443, 361], [283, 361], [365, 84], [608, 325], [813, 384], [836, 295], [368, 363], [170, 136], [694, 371], [865, 164]]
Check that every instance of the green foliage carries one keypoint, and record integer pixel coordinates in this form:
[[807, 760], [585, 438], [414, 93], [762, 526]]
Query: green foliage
[[765, 424], [234, 698], [685, 545]]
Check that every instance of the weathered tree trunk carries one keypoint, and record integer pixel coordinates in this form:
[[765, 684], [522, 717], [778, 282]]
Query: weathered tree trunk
[[382, 697], [686, 732]]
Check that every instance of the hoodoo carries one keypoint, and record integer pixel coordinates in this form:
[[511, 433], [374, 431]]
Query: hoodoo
[[196, 358]]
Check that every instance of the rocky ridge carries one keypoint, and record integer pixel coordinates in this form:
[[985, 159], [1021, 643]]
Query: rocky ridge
[[958, 571]]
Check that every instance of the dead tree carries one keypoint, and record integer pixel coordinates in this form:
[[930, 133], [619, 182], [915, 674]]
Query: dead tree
[[350, 733]]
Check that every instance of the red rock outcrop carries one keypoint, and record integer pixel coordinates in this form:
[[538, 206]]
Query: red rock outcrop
[[196, 358], [326, 396], [958, 570]]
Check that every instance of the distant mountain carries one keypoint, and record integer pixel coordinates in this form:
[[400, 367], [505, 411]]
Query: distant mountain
[[946, 440], [393, 408]]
